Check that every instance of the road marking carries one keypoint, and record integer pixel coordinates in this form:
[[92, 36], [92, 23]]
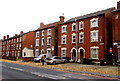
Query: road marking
[[17, 68], [48, 75]]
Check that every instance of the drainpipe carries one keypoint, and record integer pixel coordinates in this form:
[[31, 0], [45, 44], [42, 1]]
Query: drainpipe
[[76, 39]]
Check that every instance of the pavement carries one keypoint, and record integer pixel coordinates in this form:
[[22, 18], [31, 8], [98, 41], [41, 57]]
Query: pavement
[[106, 71]]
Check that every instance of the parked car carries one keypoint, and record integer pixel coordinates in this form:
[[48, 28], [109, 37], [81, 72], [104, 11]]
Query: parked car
[[38, 59], [55, 60], [66, 58]]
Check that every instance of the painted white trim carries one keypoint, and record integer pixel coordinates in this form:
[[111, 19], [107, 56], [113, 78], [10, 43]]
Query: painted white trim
[[37, 42], [48, 32], [81, 48], [62, 50], [42, 32], [81, 22], [43, 51], [94, 47], [62, 39], [73, 25], [91, 38], [42, 43], [37, 34], [91, 25], [73, 49], [63, 27], [80, 37], [50, 41], [72, 38]]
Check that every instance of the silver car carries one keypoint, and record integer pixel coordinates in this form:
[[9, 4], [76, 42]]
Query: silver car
[[55, 60]]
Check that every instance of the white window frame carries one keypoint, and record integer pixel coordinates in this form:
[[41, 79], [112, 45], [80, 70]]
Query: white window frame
[[73, 27], [37, 34], [81, 33], [14, 40], [94, 39], [94, 24], [97, 52], [49, 50], [43, 51], [49, 42], [36, 52], [18, 53], [42, 42], [42, 32], [81, 28], [62, 40], [63, 54], [73, 38], [63, 31], [37, 42], [49, 31]]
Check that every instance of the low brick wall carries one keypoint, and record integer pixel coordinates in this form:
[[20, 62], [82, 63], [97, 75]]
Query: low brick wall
[[27, 59]]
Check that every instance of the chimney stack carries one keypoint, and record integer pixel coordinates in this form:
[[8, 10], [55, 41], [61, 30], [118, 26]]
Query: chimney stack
[[4, 37], [16, 34], [7, 36], [21, 32], [118, 4], [41, 24], [62, 17]]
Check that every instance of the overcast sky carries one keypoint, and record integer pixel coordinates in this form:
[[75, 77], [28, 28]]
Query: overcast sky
[[26, 15]]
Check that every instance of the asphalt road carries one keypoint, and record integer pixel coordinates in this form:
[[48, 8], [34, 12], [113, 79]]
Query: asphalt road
[[17, 72]]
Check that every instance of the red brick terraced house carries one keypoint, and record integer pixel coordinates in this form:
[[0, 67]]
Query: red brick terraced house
[[86, 37], [46, 39], [28, 43], [0, 47], [13, 47], [116, 33]]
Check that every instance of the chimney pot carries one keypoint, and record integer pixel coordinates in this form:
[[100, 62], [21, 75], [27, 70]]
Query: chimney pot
[[7, 36], [4, 37], [21, 32], [41, 24], [16, 34], [62, 17], [118, 4]]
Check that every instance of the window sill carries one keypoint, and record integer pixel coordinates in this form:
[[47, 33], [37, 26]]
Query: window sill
[[64, 32], [73, 43], [64, 44], [94, 27], [48, 34], [81, 29], [94, 41], [81, 42], [48, 44]]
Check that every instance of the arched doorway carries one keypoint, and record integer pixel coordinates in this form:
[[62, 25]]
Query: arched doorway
[[42, 51], [81, 54], [73, 54]]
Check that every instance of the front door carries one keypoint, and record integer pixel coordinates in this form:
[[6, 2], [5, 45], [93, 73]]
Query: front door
[[74, 55], [119, 54], [81, 55]]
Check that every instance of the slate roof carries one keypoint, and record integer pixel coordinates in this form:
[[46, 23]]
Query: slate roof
[[116, 10], [89, 15], [16, 36], [49, 25]]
